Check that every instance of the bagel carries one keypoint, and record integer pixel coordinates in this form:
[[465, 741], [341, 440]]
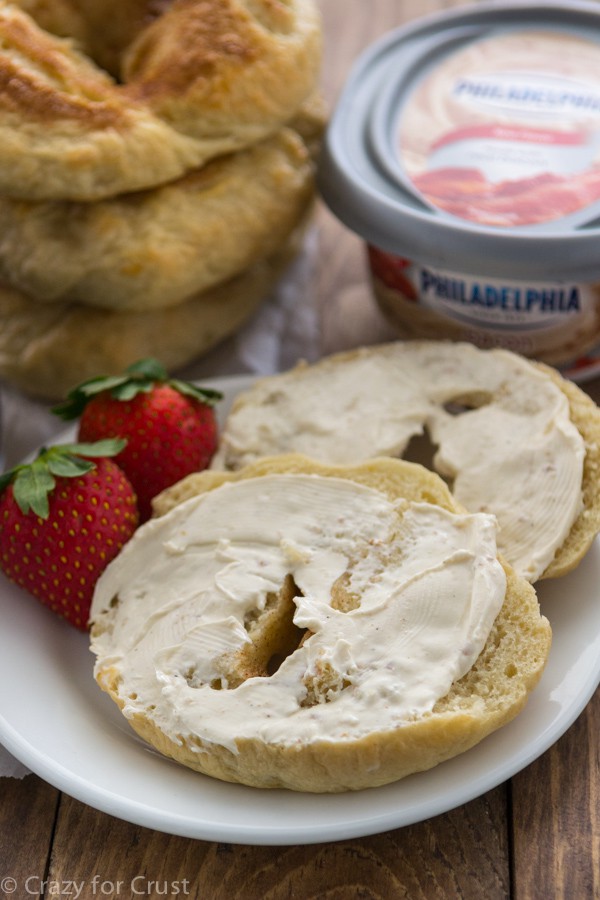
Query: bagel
[[511, 436], [156, 248], [33, 336], [198, 79], [404, 639], [62, 18]]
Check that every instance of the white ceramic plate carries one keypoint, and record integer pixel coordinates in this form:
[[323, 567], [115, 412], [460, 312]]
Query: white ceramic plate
[[56, 720]]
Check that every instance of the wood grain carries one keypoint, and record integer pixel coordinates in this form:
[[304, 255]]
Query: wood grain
[[28, 810], [461, 854], [556, 821]]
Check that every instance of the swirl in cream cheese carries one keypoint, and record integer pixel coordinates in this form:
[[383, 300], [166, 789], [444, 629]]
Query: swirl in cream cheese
[[513, 450], [177, 599]]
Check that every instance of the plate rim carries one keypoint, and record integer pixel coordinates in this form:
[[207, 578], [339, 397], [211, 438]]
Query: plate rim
[[143, 814]]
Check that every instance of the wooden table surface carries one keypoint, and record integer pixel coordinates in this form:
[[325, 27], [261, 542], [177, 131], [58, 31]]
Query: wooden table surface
[[536, 836]]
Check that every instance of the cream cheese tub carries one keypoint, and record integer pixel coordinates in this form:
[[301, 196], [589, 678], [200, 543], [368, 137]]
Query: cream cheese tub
[[465, 151]]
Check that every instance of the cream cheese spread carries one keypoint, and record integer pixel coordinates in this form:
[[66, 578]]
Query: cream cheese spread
[[181, 593], [502, 431]]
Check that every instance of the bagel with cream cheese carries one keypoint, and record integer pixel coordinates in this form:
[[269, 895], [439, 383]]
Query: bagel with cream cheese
[[314, 627], [189, 80], [511, 436]]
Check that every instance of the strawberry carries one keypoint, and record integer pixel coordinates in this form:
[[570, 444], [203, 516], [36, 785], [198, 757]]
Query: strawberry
[[63, 518], [170, 425]]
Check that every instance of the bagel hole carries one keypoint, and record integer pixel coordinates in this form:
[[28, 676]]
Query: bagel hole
[[421, 449], [464, 403], [273, 637], [276, 636]]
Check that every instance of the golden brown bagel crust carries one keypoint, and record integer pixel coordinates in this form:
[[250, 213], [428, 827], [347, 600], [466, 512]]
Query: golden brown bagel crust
[[204, 78], [489, 695], [62, 18], [46, 349], [156, 248]]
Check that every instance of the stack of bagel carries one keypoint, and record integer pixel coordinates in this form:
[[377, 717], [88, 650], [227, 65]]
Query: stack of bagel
[[156, 171]]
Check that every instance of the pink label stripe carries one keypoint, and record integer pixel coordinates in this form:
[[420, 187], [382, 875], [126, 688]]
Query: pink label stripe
[[512, 133]]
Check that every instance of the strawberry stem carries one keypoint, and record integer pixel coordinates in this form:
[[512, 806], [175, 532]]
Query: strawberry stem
[[33, 482], [139, 377]]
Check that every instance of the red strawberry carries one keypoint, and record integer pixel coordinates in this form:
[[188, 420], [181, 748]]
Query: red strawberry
[[169, 425], [63, 518]]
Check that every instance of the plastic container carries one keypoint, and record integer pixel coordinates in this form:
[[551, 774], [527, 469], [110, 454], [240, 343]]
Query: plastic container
[[465, 150]]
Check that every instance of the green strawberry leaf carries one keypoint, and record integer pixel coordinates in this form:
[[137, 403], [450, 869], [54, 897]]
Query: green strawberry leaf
[[127, 390], [204, 395], [140, 377], [31, 488], [33, 482], [149, 368], [68, 466], [105, 447], [103, 383], [77, 399]]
